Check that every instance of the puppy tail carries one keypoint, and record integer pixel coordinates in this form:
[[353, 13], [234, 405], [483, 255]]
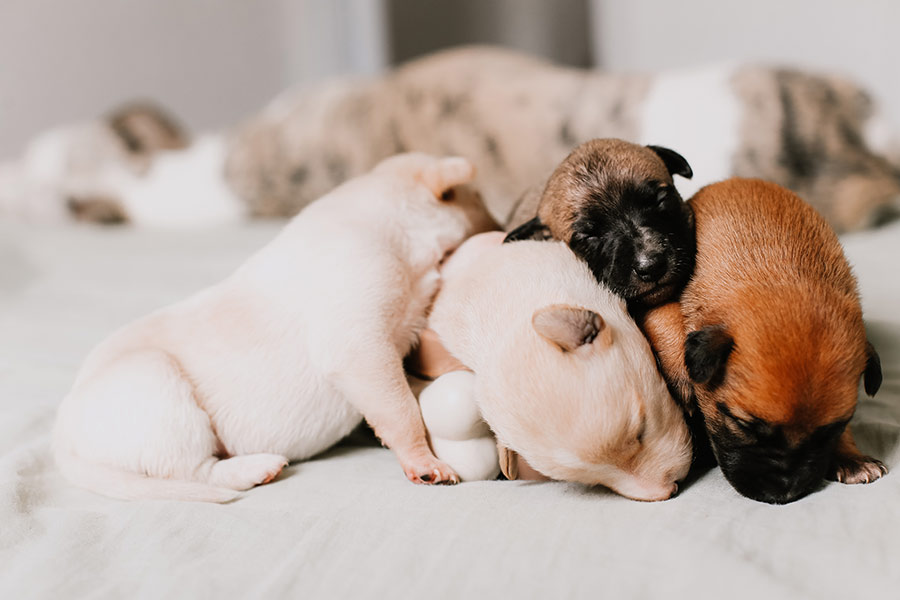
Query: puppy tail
[[125, 485]]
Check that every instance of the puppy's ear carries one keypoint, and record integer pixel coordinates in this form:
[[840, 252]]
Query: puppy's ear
[[675, 163], [568, 327], [872, 374], [145, 129], [529, 230], [445, 173], [705, 353]]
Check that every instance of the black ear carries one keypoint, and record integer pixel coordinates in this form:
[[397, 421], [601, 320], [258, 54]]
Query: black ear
[[675, 163], [872, 374], [705, 353], [529, 230]]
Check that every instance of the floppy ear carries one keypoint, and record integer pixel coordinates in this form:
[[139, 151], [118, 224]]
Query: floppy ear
[[675, 163], [445, 173], [872, 374], [705, 353], [529, 230], [569, 327]]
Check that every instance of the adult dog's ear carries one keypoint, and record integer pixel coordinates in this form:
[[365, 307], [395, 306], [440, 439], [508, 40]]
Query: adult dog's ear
[[675, 163], [529, 230], [145, 128], [569, 327], [706, 352], [872, 374]]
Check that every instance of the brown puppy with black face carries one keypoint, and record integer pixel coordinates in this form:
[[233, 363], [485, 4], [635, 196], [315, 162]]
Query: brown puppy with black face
[[768, 342], [615, 205]]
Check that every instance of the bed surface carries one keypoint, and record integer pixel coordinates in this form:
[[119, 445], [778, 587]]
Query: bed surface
[[348, 524]]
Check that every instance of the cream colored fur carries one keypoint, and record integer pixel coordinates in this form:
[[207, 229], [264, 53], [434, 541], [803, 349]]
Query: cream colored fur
[[215, 394], [599, 413]]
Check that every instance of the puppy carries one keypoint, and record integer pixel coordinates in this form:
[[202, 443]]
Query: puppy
[[564, 377], [281, 360], [768, 342], [614, 203]]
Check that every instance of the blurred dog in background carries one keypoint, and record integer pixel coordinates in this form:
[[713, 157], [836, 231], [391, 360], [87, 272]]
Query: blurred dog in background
[[513, 115]]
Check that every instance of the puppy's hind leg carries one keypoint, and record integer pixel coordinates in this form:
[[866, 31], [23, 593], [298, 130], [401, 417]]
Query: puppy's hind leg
[[135, 429], [377, 387]]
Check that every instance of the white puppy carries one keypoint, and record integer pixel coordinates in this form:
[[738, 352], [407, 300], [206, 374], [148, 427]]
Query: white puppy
[[564, 377], [281, 360]]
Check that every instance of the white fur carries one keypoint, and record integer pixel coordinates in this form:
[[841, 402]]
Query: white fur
[[282, 359], [184, 188], [697, 112], [573, 415]]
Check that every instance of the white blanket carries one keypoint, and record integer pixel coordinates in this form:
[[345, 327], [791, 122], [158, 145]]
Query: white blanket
[[348, 524]]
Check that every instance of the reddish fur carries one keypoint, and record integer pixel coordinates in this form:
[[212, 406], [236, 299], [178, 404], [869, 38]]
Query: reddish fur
[[772, 272]]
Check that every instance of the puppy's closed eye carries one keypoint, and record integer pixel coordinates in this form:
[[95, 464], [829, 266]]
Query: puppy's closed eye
[[448, 195]]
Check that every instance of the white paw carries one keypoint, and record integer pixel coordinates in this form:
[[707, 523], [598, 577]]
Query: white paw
[[244, 472]]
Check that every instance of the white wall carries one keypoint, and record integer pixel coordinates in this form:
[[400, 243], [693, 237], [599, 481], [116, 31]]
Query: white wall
[[855, 37], [211, 61]]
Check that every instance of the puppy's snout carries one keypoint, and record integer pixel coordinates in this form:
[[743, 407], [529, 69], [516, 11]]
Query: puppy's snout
[[650, 266]]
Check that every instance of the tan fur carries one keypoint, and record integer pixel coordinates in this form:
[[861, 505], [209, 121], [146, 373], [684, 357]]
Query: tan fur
[[569, 187], [770, 271]]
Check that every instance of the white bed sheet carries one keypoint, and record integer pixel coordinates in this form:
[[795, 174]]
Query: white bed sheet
[[348, 524]]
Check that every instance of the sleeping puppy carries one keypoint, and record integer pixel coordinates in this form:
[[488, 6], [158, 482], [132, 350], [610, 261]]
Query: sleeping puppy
[[768, 342], [564, 376], [281, 360], [614, 203]]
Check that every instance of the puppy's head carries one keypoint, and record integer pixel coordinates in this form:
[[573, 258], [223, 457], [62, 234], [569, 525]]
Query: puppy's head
[[579, 397], [775, 399], [614, 203]]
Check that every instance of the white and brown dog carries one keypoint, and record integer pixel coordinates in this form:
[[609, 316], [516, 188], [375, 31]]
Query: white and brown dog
[[215, 394], [515, 116]]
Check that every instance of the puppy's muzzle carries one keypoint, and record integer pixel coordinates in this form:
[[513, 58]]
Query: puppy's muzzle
[[650, 266]]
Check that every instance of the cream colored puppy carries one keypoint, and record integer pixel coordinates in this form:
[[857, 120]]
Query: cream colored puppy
[[563, 375], [218, 392]]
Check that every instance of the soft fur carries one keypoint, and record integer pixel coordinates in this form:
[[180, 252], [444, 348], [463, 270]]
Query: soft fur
[[514, 116], [278, 362], [615, 204], [564, 377], [768, 342]]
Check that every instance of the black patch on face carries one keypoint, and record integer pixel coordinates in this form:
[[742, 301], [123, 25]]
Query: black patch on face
[[759, 463], [637, 237]]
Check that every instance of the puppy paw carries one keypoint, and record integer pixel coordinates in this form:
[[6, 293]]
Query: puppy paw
[[430, 471], [856, 469], [246, 471]]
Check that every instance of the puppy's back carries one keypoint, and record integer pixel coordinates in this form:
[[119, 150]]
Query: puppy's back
[[754, 231]]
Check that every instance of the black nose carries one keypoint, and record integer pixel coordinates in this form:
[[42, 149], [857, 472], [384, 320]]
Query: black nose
[[650, 267]]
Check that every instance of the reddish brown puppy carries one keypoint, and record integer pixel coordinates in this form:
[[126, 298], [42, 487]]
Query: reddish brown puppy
[[768, 342]]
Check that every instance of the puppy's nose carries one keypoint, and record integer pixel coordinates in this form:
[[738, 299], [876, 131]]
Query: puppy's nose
[[650, 267]]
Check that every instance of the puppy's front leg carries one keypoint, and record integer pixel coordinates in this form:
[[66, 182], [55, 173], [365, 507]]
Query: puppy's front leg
[[849, 465], [377, 387]]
